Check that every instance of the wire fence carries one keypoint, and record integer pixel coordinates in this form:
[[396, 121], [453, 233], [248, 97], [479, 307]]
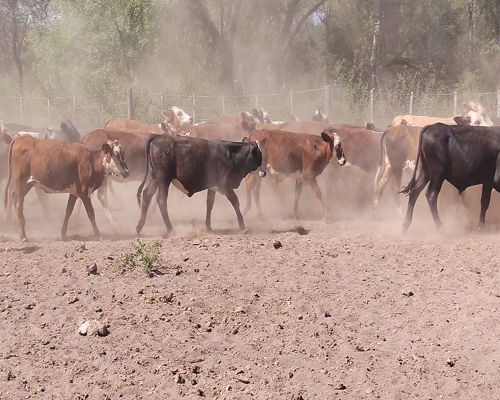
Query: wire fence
[[340, 105]]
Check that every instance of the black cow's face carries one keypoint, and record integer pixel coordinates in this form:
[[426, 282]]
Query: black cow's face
[[255, 156]]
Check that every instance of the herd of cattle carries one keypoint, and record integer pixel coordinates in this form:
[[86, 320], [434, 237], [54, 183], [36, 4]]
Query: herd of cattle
[[464, 150]]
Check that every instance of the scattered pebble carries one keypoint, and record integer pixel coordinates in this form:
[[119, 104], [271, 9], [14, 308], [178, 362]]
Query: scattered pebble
[[93, 328], [277, 244], [73, 300], [92, 269]]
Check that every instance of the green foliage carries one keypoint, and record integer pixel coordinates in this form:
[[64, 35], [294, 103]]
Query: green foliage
[[144, 256]]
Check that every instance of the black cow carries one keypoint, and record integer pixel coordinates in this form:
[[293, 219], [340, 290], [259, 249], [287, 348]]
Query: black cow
[[193, 165], [464, 156]]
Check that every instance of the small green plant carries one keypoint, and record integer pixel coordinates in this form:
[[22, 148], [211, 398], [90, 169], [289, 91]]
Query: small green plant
[[145, 256]]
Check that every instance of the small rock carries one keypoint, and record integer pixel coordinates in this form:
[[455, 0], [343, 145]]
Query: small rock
[[92, 269], [93, 328], [277, 244], [408, 293], [451, 362], [98, 309], [29, 306], [72, 300], [64, 270], [301, 231], [340, 386], [179, 379], [290, 375], [327, 314], [229, 388], [80, 247], [300, 317], [10, 376]]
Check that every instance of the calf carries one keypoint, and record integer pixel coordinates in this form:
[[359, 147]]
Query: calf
[[61, 167], [193, 165], [176, 117], [134, 146], [294, 154], [462, 155]]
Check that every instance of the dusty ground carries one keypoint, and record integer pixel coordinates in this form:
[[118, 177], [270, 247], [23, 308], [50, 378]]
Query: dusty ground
[[352, 310]]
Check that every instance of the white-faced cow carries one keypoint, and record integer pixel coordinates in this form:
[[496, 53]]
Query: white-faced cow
[[60, 167], [300, 155], [462, 155], [232, 131], [193, 165]]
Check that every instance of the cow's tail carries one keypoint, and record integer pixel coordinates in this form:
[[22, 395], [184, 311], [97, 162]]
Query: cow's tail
[[139, 191], [9, 175], [381, 167], [408, 189]]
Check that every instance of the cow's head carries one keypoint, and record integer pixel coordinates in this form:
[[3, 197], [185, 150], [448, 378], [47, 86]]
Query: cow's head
[[478, 108], [331, 137], [246, 116], [182, 116], [248, 126], [475, 118], [114, 159], [259, 116], [370, 126]]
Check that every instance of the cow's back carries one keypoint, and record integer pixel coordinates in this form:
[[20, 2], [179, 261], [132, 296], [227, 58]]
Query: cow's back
[[132, 125]]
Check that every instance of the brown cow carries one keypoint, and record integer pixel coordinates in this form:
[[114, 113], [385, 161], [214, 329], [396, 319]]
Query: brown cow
[[61, 167], [232, 132], [131, 125], [134, 145], [301, 155]]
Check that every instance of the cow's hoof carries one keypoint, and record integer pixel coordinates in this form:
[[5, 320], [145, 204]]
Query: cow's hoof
[[24, 240]]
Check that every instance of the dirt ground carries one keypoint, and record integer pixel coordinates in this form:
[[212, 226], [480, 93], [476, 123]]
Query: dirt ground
[[349, 309]]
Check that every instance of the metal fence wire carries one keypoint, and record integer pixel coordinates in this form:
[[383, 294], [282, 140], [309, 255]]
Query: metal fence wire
[[340, 105]]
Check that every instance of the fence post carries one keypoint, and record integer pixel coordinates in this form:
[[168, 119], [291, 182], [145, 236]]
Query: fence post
[[130, 103], [194, 108], [48, 110], [74, 109], [291, 102], [223, 104], [371, 105], [455, 103], [21, 108], [498, 103], [411, 102], [162, 101], [257, 101], [328, 101]]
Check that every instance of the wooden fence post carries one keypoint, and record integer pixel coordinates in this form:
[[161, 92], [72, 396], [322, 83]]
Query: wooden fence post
[[455, 102], [371, 105], [411, 102], [328, 101], [48, 110], [223, 104], [21, 108], [130, 103], [74, 110], [194, 108], [498, 103]]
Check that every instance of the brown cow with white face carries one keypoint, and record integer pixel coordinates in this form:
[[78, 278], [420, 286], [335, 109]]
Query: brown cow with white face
[[300, 155], [61, 167]]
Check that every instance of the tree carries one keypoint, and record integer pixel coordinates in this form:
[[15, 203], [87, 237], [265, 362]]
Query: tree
[[17, 19]]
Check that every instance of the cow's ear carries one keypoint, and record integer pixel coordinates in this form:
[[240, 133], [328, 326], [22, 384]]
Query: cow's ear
[[466, 107], [245, 140], [7, 138], [106, 148], [404, 122], [65, 129], [459, 120], [326, 137]]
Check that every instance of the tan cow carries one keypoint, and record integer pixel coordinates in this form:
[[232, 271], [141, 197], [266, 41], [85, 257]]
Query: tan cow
[[299, 155], [60, 167], [475, 115], [131, 125], [234, 131]]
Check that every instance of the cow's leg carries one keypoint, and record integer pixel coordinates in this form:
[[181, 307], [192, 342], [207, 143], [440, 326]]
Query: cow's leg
[[102, 195], [18, 195], [485, 203], [317, 192], [397, 177], [380, 184], [249, 184], [231, 196], [415, 192], [210, 206], [69, 210], [432, 195], [298, 191], [147, 195], [256, 195], [87, 203], [161, 198]]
